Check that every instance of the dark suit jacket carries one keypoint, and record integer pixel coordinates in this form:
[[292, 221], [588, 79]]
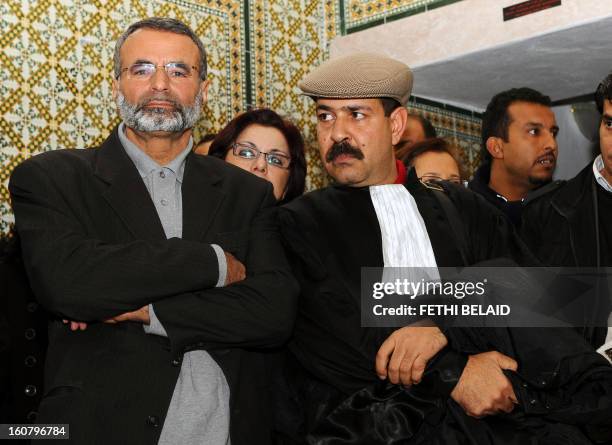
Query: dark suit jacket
[[562, 229], [94, 247]]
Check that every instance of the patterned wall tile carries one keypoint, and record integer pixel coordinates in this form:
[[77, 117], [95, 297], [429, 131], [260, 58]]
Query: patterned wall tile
[[359, 13], [288, 39], [56, 63]]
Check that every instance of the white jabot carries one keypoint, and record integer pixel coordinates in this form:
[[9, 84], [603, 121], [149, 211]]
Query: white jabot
[[405, 241], [606, 348]]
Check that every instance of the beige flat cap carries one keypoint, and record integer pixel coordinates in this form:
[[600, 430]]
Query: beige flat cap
[[359, 75]]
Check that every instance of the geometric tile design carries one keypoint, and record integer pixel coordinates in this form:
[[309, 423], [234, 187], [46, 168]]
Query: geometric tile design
[[358, 13], [56, 65], [288, 39]]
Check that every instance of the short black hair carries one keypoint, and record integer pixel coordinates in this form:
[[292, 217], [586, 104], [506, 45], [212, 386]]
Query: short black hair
[[160, 24], [603, 92], [265, 117], [389, 105], [496, 120]]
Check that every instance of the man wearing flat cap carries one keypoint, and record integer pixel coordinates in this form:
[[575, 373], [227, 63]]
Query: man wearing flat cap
[[345, 383]]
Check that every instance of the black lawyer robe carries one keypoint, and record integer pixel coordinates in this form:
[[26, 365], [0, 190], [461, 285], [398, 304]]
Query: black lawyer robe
[[330, 234]]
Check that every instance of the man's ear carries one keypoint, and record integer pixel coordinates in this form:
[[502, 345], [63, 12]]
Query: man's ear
[[398, 119], [204, 89], [495, 147]]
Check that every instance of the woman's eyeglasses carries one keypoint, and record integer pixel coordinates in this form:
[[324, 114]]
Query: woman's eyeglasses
[[248, 151], [432, 181], [436, 178]]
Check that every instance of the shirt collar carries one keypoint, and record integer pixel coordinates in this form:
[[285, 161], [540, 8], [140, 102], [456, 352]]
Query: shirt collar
[[145, 165], [598, 166], [401, 172]]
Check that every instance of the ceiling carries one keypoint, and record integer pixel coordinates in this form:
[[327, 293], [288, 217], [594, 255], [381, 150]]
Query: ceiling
[[562, 64], [464, 53]]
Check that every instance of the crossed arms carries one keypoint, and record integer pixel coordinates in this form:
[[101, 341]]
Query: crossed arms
[[77, 275]]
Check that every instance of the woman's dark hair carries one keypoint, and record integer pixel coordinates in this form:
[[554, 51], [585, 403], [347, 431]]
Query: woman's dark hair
[[438, 145], [267, 118]]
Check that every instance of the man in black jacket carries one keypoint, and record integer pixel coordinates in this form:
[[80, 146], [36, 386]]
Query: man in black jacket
[[172, 259], [570, 226], [477, 386], [519, 149]]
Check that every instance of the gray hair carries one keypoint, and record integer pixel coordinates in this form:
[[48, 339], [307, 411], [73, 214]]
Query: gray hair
[[161, 24]]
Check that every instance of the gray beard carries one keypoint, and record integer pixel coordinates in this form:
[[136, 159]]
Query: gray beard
[[159, 119]]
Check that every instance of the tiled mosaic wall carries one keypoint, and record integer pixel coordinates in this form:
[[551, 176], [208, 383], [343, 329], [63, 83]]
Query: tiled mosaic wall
[[56, 62], [289, 38], [365, 13]]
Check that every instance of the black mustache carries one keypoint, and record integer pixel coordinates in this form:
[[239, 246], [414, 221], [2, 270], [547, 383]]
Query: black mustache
[[343, 148]]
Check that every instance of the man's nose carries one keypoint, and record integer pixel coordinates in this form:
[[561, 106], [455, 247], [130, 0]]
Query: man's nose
[[160, 79], [339, 130], [551, 142]]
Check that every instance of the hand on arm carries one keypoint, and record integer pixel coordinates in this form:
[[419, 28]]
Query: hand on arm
[[235, 272], [235, 269], [483, 389], [141, 315], [257, 311], [79, 274], [404, 355]]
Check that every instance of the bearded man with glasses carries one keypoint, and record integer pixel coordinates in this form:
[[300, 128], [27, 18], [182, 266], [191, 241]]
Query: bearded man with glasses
[[168, 265]]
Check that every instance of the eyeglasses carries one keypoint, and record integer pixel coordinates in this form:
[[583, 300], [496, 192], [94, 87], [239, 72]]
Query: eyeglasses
[[248, 151], [176, 71], [431, 179]]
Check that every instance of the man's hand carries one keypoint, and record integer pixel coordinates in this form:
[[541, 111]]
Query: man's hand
[[141, 315], [235, 269], [403, 356], [483, 389], [76, 325]]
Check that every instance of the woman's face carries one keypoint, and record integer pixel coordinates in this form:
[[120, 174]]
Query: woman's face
[[265, 140], [436, 165]]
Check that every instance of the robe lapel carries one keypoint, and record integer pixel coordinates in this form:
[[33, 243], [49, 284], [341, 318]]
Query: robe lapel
[[202, 197], [126, 192], [440, 234]]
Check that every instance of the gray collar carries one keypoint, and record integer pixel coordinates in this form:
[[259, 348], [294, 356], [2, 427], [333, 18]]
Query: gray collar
[[145, 164]]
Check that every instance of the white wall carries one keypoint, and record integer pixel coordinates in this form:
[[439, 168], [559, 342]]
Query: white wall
[[465, 27], [575, 150]]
